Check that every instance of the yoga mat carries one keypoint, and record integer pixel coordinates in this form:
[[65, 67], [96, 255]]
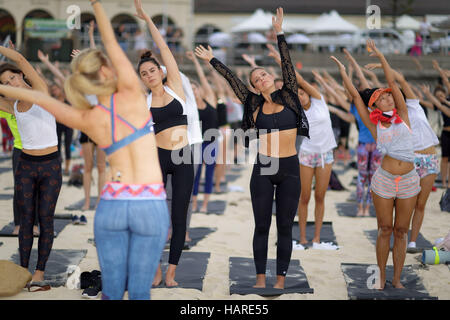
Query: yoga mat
[[352, 197], [326, 233], [421, 242], [79, 204], [2, 170], [243, 278], [196, 234], [63, 216], [359, 277], [6, 196], [350, 209], [214, 207], [191, 269], [56, 267], [59, 225]]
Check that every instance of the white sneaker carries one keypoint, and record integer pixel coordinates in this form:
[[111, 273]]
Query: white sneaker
[[297, 246], [324, 246], [412, 245]]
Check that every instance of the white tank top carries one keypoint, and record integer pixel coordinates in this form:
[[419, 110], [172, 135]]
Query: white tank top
[[423, 134], [320, 131], [37, 128]]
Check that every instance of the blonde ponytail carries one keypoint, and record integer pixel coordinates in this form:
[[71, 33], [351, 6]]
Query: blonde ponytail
[[85, 79]]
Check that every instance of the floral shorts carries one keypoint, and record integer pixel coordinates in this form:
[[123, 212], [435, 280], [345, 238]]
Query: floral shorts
[[314, 160], [426, 164]]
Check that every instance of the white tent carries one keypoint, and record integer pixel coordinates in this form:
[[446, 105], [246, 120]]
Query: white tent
[[297, 24], [258, 21], [331, 22], [255, 37], [220, 39], [298, 38], [405, 22]]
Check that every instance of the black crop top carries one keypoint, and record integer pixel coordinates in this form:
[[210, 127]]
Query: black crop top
[[284, 120], [168, 116], [209, 119], [287, 96]]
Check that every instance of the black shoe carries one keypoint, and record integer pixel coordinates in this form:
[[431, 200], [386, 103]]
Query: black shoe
[[95, 287], [91, 293]]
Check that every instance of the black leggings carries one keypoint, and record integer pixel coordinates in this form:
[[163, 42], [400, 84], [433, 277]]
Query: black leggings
[[68, 134], [38, 182], [286, 178], [178, 163]]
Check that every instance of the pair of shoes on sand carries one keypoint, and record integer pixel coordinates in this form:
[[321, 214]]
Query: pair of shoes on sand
[[315, 246], [79, 220]]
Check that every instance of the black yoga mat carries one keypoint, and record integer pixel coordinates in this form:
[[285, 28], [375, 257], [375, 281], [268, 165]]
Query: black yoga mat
[[59, 225], [191, 269], [350, 209], [214, 207], [56, 267], [79, 204], [2, 170], [360, 277], [63, 216], [326, 233], [421, 242], [243, 278], [196, 234], [6, 196]]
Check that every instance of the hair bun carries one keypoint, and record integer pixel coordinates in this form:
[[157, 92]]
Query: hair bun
[[147, 54]]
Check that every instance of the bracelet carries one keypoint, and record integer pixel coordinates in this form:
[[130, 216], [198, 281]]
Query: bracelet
[[94, 2]]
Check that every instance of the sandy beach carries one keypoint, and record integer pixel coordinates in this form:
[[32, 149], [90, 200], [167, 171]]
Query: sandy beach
[[233, 238]]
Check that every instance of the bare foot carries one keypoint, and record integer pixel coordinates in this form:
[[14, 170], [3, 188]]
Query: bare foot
[[280, 282], [260, 281], [85, 207], [203, 209], [170, 279], [187, 238], [158, 277], [16, 230], [360, 212], [397, 285], [35, 231], [38, 276], [380, 286]]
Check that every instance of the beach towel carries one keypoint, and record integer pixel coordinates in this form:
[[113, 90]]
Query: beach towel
[[243, 278], [360, 279], [191, 269], [350, 209], [421, 242], [56, 269], [59, 225]]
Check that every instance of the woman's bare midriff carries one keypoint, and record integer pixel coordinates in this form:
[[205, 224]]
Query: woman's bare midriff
[[429, 150], [446, 128], [396, 167], [40, 152], [280, 144], [172, 138]]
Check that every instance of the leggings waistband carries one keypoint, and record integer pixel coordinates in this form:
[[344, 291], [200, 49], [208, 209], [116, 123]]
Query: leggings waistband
[[412, 173], [45, 157]]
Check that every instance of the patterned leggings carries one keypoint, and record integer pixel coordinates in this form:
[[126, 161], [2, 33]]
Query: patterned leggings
[[38, 183], [369, 159]]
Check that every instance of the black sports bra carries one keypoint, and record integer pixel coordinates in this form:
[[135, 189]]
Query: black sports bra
[[284, 120], [168, 116]]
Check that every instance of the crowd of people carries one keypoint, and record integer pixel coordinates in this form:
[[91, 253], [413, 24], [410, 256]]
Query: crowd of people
[[153, 125]]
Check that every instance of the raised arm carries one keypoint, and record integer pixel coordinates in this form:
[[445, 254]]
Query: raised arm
[[210, 95], [407, 90], [339, 99], [37, 83], [357, 100], [443, 75], [173, 73], [400, 103], [357, 69], [348, 117], [63, 113], [373, 77], [239, 88], [301, 82], [422, 101], [250, 60], [435, 101], [91, 35], [126, 75], [53, 69]]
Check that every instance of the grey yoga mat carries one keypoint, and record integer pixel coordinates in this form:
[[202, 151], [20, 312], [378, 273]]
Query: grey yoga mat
[[56, 267], [243, 278], [360, 279], [59, 225], [214, 207], [421, 242], [350, 209], [196, 234], [6, 196], [191, 269], [326, 233]]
